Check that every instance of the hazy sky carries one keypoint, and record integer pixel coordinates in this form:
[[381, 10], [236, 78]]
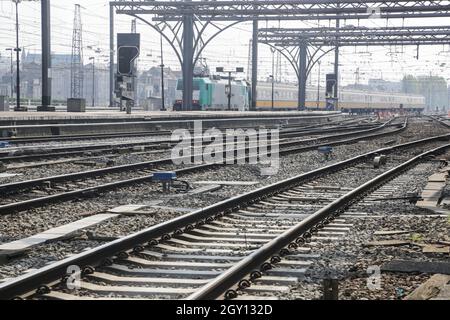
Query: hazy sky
[[230, 49]]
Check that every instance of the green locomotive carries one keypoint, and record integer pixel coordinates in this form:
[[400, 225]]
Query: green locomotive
[[211, 93]]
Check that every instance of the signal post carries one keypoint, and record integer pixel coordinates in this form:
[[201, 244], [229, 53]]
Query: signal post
[[128, 50]]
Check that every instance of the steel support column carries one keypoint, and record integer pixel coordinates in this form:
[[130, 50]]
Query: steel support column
[[188, 57], [17, 50], [46, 58], [302, 66], [336, 68], [254, 65], [111, 56]]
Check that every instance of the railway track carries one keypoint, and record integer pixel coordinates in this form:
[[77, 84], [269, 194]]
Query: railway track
[[256, 241], [76, 137], [23, 195], [442, 121], [100, 136], [38, 152]]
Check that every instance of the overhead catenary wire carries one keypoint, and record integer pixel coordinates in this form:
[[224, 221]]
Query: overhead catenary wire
[[96, 35]]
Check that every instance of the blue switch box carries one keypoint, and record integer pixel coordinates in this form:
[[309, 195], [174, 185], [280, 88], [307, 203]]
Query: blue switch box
[[325, 150], [164, 176], [4, 144]]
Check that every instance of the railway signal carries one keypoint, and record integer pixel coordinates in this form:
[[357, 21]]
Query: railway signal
[[331, 91], [127, 56], [128, 50], [228, 87]]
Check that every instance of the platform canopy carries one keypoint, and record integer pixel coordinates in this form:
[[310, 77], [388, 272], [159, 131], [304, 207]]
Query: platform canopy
[[284, 10], [356, 36]]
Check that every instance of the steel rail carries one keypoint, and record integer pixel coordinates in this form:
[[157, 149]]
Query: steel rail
[[28, 153], [86, 136], [440, 121], [101, 135], [280, 117], [155, 163], [96, 136], [27, 283], [162, 146], [217, 287], [32, 203], [155, 133]]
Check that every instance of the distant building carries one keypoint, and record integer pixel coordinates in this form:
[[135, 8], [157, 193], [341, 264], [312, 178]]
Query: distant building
[[60, 74], [148, 82], [433, 88], [101, 93], [448, 97], [377, 85], [5, 76], [149, 87], [385, 86], [31, 86]]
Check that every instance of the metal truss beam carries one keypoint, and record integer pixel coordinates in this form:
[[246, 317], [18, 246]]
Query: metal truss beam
[[356, 36], [350, 42], [355, 30], [173, 15], [363, 34], [284, 10], [289, 41]]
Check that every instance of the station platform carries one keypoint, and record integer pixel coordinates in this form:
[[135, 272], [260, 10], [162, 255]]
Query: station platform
[[26, 124], [155, 115]]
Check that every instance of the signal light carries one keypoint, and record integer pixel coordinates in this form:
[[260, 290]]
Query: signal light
[[125, 61]]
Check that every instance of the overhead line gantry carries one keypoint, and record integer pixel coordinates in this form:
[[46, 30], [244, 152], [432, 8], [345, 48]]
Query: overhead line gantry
[[185, 22]]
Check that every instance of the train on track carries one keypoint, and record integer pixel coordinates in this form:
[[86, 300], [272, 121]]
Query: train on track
[[211, 94]]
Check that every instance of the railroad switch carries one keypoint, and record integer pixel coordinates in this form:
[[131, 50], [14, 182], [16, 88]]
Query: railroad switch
[[327, 152], [379, 161], [330, 289], [8, 133], [4, 144], [166, 179], [169, 180]]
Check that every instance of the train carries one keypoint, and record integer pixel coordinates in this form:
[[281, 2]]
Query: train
[[211, 94]]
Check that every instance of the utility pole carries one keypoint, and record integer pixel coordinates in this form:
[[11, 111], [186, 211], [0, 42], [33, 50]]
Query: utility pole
[[357, 76], [278, 68], [273, 93], [254, 65], [93, 80], [163, 95], [111, 57], [302, 75], [273, 78], [318, 86], [249, 61], [17, 50], [229, 91], [188, 63], [336, 64], [430, 92], [134, 79], [76, 70], [12, 71], [46, 58]]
